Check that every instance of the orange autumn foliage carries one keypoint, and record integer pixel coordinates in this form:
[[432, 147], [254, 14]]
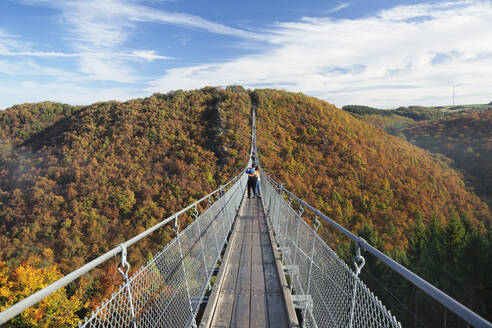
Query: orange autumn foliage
[[57, 310]]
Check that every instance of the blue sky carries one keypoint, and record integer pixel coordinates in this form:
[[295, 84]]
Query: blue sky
[[378, 53]]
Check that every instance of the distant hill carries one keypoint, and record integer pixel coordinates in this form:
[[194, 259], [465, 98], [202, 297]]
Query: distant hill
[[417, 113], [393, 120], [354, 172], [366, 110], [464, 137], [397, 196]]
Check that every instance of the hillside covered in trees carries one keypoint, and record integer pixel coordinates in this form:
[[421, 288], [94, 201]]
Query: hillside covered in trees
[[354, 172], [395, 195], [97, 175], [393, 120], [466, 138], [77, 181]]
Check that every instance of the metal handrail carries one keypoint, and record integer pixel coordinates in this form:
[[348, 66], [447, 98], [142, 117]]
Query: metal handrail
[[446, 300], [35, 298]]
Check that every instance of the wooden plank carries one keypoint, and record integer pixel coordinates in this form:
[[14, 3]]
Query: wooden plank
[[265, 238], [267, 254], [256, 238], [223, 312], [259, 311], [277, 316], [263, 226], [257, 279], [249, 224], [246, 248], [243, 225], [256, 225], [251, 292], [256, 254], [236, 244], [230, 279], [241, 311], [272, 282], [265, 241], [244, 277]]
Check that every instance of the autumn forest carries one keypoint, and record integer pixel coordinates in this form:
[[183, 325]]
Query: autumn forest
[[75, 181]]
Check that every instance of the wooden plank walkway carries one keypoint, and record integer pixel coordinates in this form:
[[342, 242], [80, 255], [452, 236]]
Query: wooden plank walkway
[[248, 291]]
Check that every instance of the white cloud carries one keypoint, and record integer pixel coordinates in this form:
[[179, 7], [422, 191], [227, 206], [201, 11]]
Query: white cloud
[[148, 55], [36, 54], [10, 42], [99, 33], [343, 60], [146, 14], [339, 7], [108, 23], [30, 68], [399, 56], [99, 29]]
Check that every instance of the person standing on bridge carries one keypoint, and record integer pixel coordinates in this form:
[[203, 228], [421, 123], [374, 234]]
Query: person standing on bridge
[[258, 181], [252, 177]]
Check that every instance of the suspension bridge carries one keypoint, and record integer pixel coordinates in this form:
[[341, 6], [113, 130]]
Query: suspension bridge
[[269, 268]]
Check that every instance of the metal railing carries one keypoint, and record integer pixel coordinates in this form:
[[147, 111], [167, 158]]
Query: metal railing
[[337, 296], [332, 295], [164, 293]]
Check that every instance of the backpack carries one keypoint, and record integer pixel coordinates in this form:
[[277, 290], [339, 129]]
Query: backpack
[[251, 174]]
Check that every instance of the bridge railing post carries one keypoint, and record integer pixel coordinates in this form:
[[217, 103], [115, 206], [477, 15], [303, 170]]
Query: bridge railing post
[[176, 230], [214, 228], [196, 215], [296, 245], [311, 263], [124, 268], [359, 262]]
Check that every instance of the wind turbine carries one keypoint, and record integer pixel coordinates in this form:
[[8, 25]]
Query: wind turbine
[[454, 89]]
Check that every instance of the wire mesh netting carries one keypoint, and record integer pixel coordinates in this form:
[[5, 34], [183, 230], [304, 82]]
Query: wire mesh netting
[[332, 294], [167, 292]]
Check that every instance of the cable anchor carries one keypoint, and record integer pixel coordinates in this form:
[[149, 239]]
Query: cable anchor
[[195, 212], [358, 260], [316, 223], [176, 225], [301, 210], [121, 269]]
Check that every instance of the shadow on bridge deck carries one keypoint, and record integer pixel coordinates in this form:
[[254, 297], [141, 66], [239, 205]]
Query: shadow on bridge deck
[[249, 292]]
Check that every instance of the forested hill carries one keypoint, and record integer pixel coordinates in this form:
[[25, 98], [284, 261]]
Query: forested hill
[[388, 191], [77, 181], [354, 172], [464, 137], [82, 180], [462, 133]]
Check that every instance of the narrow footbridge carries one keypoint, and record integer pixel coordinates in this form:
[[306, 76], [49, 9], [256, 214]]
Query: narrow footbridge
[[245, 263], [249, 289]]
